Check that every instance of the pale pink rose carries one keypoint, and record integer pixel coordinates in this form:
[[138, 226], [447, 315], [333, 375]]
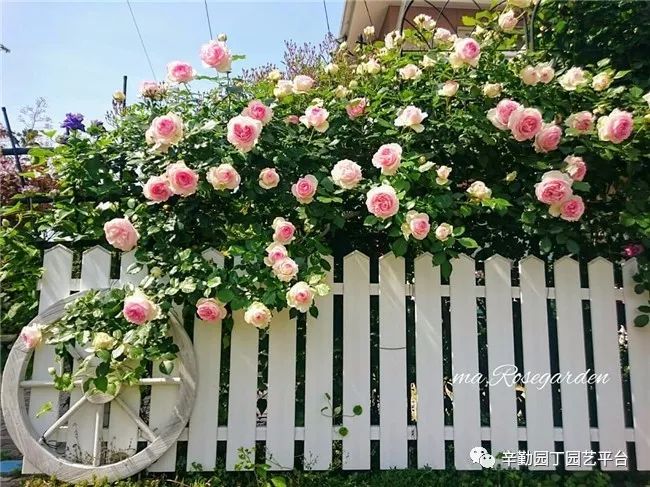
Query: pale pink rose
[[304, 189], [500, 115], [615, 127], [545, 73], [424, 21], [554, 188], [572, 209], [393, 39], [215, 54], [300, 296], [302, 83], [283, 231], [601, 81], [182, 180], [152, 90], [508, 20], [388, 158], [492, 90], [467, 50], [411, 117], [346, 174], [372, 66], [356, 108], [418, 225], [410, 72], [165, 131], [581, 122], [258, 315], [292, 119], [444, 231], [442, 174], [121, 234], [180, 72], [269, 178], [224, 176], [275, 252], [548, 138], [443, 36], [258, 111], [529, 75], [31, 336], [382, 201], [479, 191], [243, 132], [572, 79], [210, 309], [138, 309], [316, 117], [524, 123], [576, 167], [157, 189], [449, 88], [285, 269], [283, 88]]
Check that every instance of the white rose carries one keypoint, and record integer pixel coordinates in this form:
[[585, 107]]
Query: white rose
[[492, 90], [258, 315], [449, 88]]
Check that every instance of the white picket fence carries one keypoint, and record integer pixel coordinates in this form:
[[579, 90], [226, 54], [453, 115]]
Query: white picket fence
[[394, 434]]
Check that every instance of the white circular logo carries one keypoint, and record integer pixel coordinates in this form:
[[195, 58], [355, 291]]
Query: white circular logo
[[487, 461], [476, 453]]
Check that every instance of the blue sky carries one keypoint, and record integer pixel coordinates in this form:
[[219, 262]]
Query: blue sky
[[75, 53]]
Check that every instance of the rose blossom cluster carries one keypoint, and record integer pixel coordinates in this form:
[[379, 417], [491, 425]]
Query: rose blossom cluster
[[540, 73], [178, 179], [525, 124], [277, 256], [555, 190]]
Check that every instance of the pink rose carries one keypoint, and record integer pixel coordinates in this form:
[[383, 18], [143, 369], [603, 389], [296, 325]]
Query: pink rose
[[356, 107], [304, 189], [442, 174], [275, 252], [615, 127], [138, 309], [443, 36], [630, 250], [500, 116], [258, 111], [444, 231], [121, 234], [165, 131], [302, 83], [449, 88], [467, 50], [258, 315], [548, 138], [31, 336], [223, 176], [152, 90], [283, 231], [529, 75], [410, 72], [545, 73], [300, 296], [316, 117], [382, 201], [180, 72], [292, 119], [285, 269], [211, 310], [572, 79], [508, 20], [478, 191], [216, 55], [411, 117], [575, 167], [388, 158], [269, 178], [346, 174], [572, 209], [416, 225], [182, 180], [524, 123], [581, 122], [157, 189], [554, 188], [243, 132]]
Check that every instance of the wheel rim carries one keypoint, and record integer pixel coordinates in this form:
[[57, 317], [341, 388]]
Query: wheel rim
[[25, 437]]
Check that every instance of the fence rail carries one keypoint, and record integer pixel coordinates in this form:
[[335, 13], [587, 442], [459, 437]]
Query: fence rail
[[384, 353]]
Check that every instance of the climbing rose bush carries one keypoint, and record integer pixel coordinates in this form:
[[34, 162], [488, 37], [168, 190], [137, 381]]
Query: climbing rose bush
[[444, 148]]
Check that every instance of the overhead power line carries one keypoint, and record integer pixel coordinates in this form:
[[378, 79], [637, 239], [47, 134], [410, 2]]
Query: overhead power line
[[144, 47], [327, 18], [207, 16]]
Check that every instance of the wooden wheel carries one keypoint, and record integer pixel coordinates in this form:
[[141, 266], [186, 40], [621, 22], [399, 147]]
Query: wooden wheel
[[41, 450]]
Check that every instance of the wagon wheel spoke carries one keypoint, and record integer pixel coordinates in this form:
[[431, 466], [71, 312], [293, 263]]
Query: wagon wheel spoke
[[63, 419], [150, 435], [97, 439], [159, 381]]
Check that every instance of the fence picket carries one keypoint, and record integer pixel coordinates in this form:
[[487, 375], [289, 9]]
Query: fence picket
[[319, 360], [55, 285], [534, 332], [604, 333], [501, 352], [392, 363], [356, 361], [464, 360], [95, 274], [571, 350], [428, 364], [242, 395], [202, 432], [638, 352]]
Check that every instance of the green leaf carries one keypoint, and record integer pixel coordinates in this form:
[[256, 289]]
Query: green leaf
[[468, 243], [357, 410], [399, 247], [545, 245], [44, 409], [642, 320], [343, 431], [469, 21], [573, 246]]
